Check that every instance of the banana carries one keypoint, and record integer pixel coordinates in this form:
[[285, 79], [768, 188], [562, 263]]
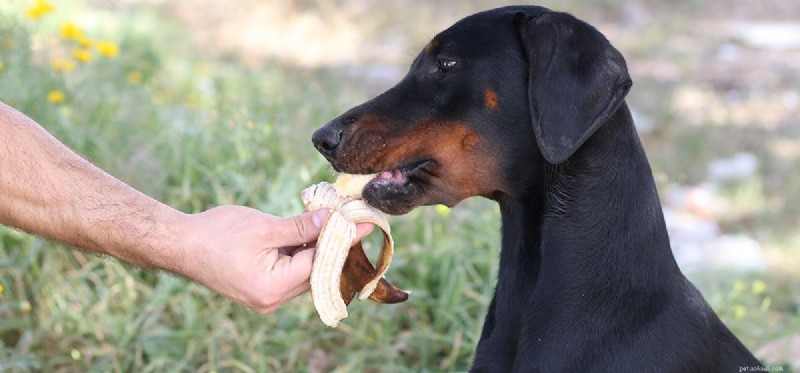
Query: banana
[[340, 271]]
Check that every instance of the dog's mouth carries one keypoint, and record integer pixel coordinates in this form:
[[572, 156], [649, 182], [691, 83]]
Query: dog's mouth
[[401, 176], [398, 190]]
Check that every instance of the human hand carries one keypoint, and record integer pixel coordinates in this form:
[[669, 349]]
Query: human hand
[[255, 259]]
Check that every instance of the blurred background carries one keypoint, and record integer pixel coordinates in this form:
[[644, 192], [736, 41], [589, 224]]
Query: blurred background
[[201, 102]]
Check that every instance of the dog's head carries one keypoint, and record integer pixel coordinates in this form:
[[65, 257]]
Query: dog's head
[[510, 85]]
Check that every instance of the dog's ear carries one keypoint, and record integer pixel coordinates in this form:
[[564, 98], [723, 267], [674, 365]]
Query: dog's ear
[[576, 80]]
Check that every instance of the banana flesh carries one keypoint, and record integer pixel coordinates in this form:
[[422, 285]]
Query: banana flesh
[[339, 271]]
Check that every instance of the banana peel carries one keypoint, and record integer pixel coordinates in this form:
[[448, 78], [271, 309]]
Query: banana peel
[[341, 270]]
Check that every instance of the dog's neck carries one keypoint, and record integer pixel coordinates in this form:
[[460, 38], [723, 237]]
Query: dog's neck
[[591, 225]]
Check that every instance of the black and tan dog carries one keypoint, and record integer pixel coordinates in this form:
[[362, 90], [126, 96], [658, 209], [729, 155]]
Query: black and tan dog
[[526, 107]]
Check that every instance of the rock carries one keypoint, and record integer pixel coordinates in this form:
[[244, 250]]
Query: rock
[[770, 35], [738, 167]]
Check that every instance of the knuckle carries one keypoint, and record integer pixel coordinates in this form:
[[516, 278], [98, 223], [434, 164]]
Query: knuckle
[[300, 227]]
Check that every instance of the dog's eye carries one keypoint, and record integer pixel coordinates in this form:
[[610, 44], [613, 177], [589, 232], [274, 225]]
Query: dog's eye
[[445, 64]]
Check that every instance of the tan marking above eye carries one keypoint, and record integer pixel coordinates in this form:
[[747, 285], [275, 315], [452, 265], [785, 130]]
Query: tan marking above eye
[[431, 46], [490, 98]]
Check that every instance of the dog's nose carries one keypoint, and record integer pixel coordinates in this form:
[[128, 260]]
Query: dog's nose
[[326, 139]]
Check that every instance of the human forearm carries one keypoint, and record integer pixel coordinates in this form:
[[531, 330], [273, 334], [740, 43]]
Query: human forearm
[[47, 189], [255, 259]]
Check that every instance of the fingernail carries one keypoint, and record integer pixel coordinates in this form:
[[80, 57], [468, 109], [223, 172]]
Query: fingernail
[[318, 217]]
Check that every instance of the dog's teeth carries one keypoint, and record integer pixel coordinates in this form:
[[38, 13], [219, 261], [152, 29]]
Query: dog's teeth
[[327, 280]]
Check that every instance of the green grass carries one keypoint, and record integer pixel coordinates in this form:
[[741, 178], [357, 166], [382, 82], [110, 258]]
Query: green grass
[[197, 130], [198, 134]]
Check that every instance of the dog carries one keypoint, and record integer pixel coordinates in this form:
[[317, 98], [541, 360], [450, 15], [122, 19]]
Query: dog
[[526, 106]]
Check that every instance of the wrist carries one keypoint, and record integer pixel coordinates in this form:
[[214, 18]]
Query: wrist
[[190, 250], [173, 251]]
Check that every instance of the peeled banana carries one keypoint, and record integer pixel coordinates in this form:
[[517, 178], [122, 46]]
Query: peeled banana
[[340, 270]]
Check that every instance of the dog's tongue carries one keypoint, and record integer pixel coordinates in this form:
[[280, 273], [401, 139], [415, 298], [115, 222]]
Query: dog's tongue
[[395, 176]]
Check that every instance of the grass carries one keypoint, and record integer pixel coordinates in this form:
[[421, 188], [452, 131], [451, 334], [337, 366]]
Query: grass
[[196, 130]]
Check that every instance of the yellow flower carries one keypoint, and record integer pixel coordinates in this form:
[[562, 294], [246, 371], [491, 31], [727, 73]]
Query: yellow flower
[[1, 289], [71, 31], [107, 48], [2, 66], [134, 77], [442, 210], [739, 311], [82, 54], [39, 9], [759, 287], [83, 41], [62, 64], [56, 97]]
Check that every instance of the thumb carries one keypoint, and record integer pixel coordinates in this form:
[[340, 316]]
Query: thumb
[[306, 227]]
